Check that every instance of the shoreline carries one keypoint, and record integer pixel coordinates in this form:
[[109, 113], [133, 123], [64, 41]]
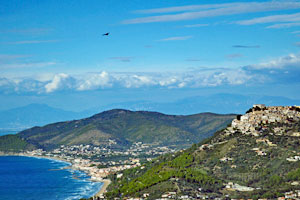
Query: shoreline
[[105, 182]]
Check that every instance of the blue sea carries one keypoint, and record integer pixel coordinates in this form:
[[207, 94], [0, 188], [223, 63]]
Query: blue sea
[[42, 179]]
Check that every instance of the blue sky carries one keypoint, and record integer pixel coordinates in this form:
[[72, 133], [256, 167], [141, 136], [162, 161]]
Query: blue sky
[[180, 48]]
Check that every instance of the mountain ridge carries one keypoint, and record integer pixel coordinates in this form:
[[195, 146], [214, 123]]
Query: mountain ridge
[[127, 127], [218, 103], [33, 115], [15, 119]]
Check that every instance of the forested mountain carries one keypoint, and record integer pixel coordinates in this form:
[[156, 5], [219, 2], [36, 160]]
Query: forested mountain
[[126, 127]]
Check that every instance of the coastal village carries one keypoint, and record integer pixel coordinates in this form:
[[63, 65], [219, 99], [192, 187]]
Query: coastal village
[[100, 161], [89, 158]]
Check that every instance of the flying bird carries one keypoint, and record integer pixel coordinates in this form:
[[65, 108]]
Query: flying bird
[[105, 34]]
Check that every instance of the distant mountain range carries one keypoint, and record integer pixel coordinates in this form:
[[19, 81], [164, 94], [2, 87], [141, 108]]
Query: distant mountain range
[[17, 119], [218, 103], [123, 126]]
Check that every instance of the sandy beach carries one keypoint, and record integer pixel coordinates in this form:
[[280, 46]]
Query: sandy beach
[[106, 182]]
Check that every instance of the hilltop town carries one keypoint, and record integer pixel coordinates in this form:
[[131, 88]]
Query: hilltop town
[[255, 120]]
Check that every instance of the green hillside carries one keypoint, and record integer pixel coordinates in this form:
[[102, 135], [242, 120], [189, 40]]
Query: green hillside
[[14, 143], [234, 163], [127, 127]]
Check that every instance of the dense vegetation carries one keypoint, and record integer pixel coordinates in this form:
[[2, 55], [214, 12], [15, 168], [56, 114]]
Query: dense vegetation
[[127, 127], [13, 143], [166, 173]]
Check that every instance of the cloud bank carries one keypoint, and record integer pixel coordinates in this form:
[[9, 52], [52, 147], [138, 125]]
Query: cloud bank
[[103, 80], [282, 70]]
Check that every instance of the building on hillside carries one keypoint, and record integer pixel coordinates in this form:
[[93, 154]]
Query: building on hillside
[[261, 106]]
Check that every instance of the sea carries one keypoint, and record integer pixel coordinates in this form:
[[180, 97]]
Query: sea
[[33, 178]]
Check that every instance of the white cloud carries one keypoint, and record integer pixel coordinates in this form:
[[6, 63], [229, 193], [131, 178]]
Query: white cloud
[[238, 77], [282, 70], [29, 85], [193, 79], [279, 63], [195, 25], [284, 25], [176, 38], [217, 77], [129, 80], [212, 10], [281, 21], [168, 81], [273, 18], [33, 41], [95, 81], [181, 85], [58, 82], [184, 8]]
